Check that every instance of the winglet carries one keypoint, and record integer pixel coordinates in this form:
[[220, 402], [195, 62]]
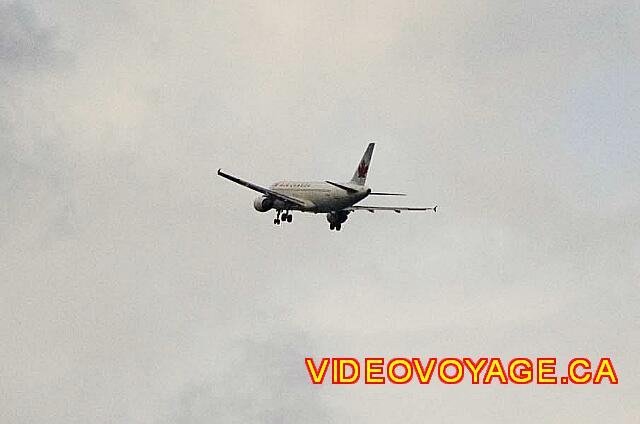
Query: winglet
[[380, 193], [435, 208], [219, 169]]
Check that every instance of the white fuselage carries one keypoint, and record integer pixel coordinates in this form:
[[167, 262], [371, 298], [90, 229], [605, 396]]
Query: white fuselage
[[321, 197]]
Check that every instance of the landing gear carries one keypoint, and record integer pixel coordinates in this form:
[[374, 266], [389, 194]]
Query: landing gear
[[286, 217], [336, 219]]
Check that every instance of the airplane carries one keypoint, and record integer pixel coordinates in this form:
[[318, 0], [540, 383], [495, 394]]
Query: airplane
[[336, 199]]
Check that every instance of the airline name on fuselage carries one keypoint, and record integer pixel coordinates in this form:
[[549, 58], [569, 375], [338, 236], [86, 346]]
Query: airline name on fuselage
[[284, 184]]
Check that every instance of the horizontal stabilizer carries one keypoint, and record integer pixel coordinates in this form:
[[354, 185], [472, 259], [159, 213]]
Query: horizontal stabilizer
[[379, 193], [344, 187]]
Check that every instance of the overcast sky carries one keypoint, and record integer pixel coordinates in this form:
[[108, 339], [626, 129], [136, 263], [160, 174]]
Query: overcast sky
[[137, 286]]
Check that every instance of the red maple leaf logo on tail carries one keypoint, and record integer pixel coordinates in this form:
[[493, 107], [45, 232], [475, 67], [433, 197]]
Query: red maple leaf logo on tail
[[362, 170]]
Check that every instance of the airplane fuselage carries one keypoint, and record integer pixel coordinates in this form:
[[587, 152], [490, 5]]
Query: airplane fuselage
[[319, 196]]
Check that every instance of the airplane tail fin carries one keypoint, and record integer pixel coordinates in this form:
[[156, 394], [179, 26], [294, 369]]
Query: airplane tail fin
[[360, 176]]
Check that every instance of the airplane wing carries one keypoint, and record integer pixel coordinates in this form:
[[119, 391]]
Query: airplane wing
[[372, 209], [262, 190]]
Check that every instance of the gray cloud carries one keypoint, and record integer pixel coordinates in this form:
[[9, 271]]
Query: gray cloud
[[260, 381], [33, 163], [25, 45], [139, 287]]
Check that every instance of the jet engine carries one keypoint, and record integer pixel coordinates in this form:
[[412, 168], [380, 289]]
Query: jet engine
[[263, 204]]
